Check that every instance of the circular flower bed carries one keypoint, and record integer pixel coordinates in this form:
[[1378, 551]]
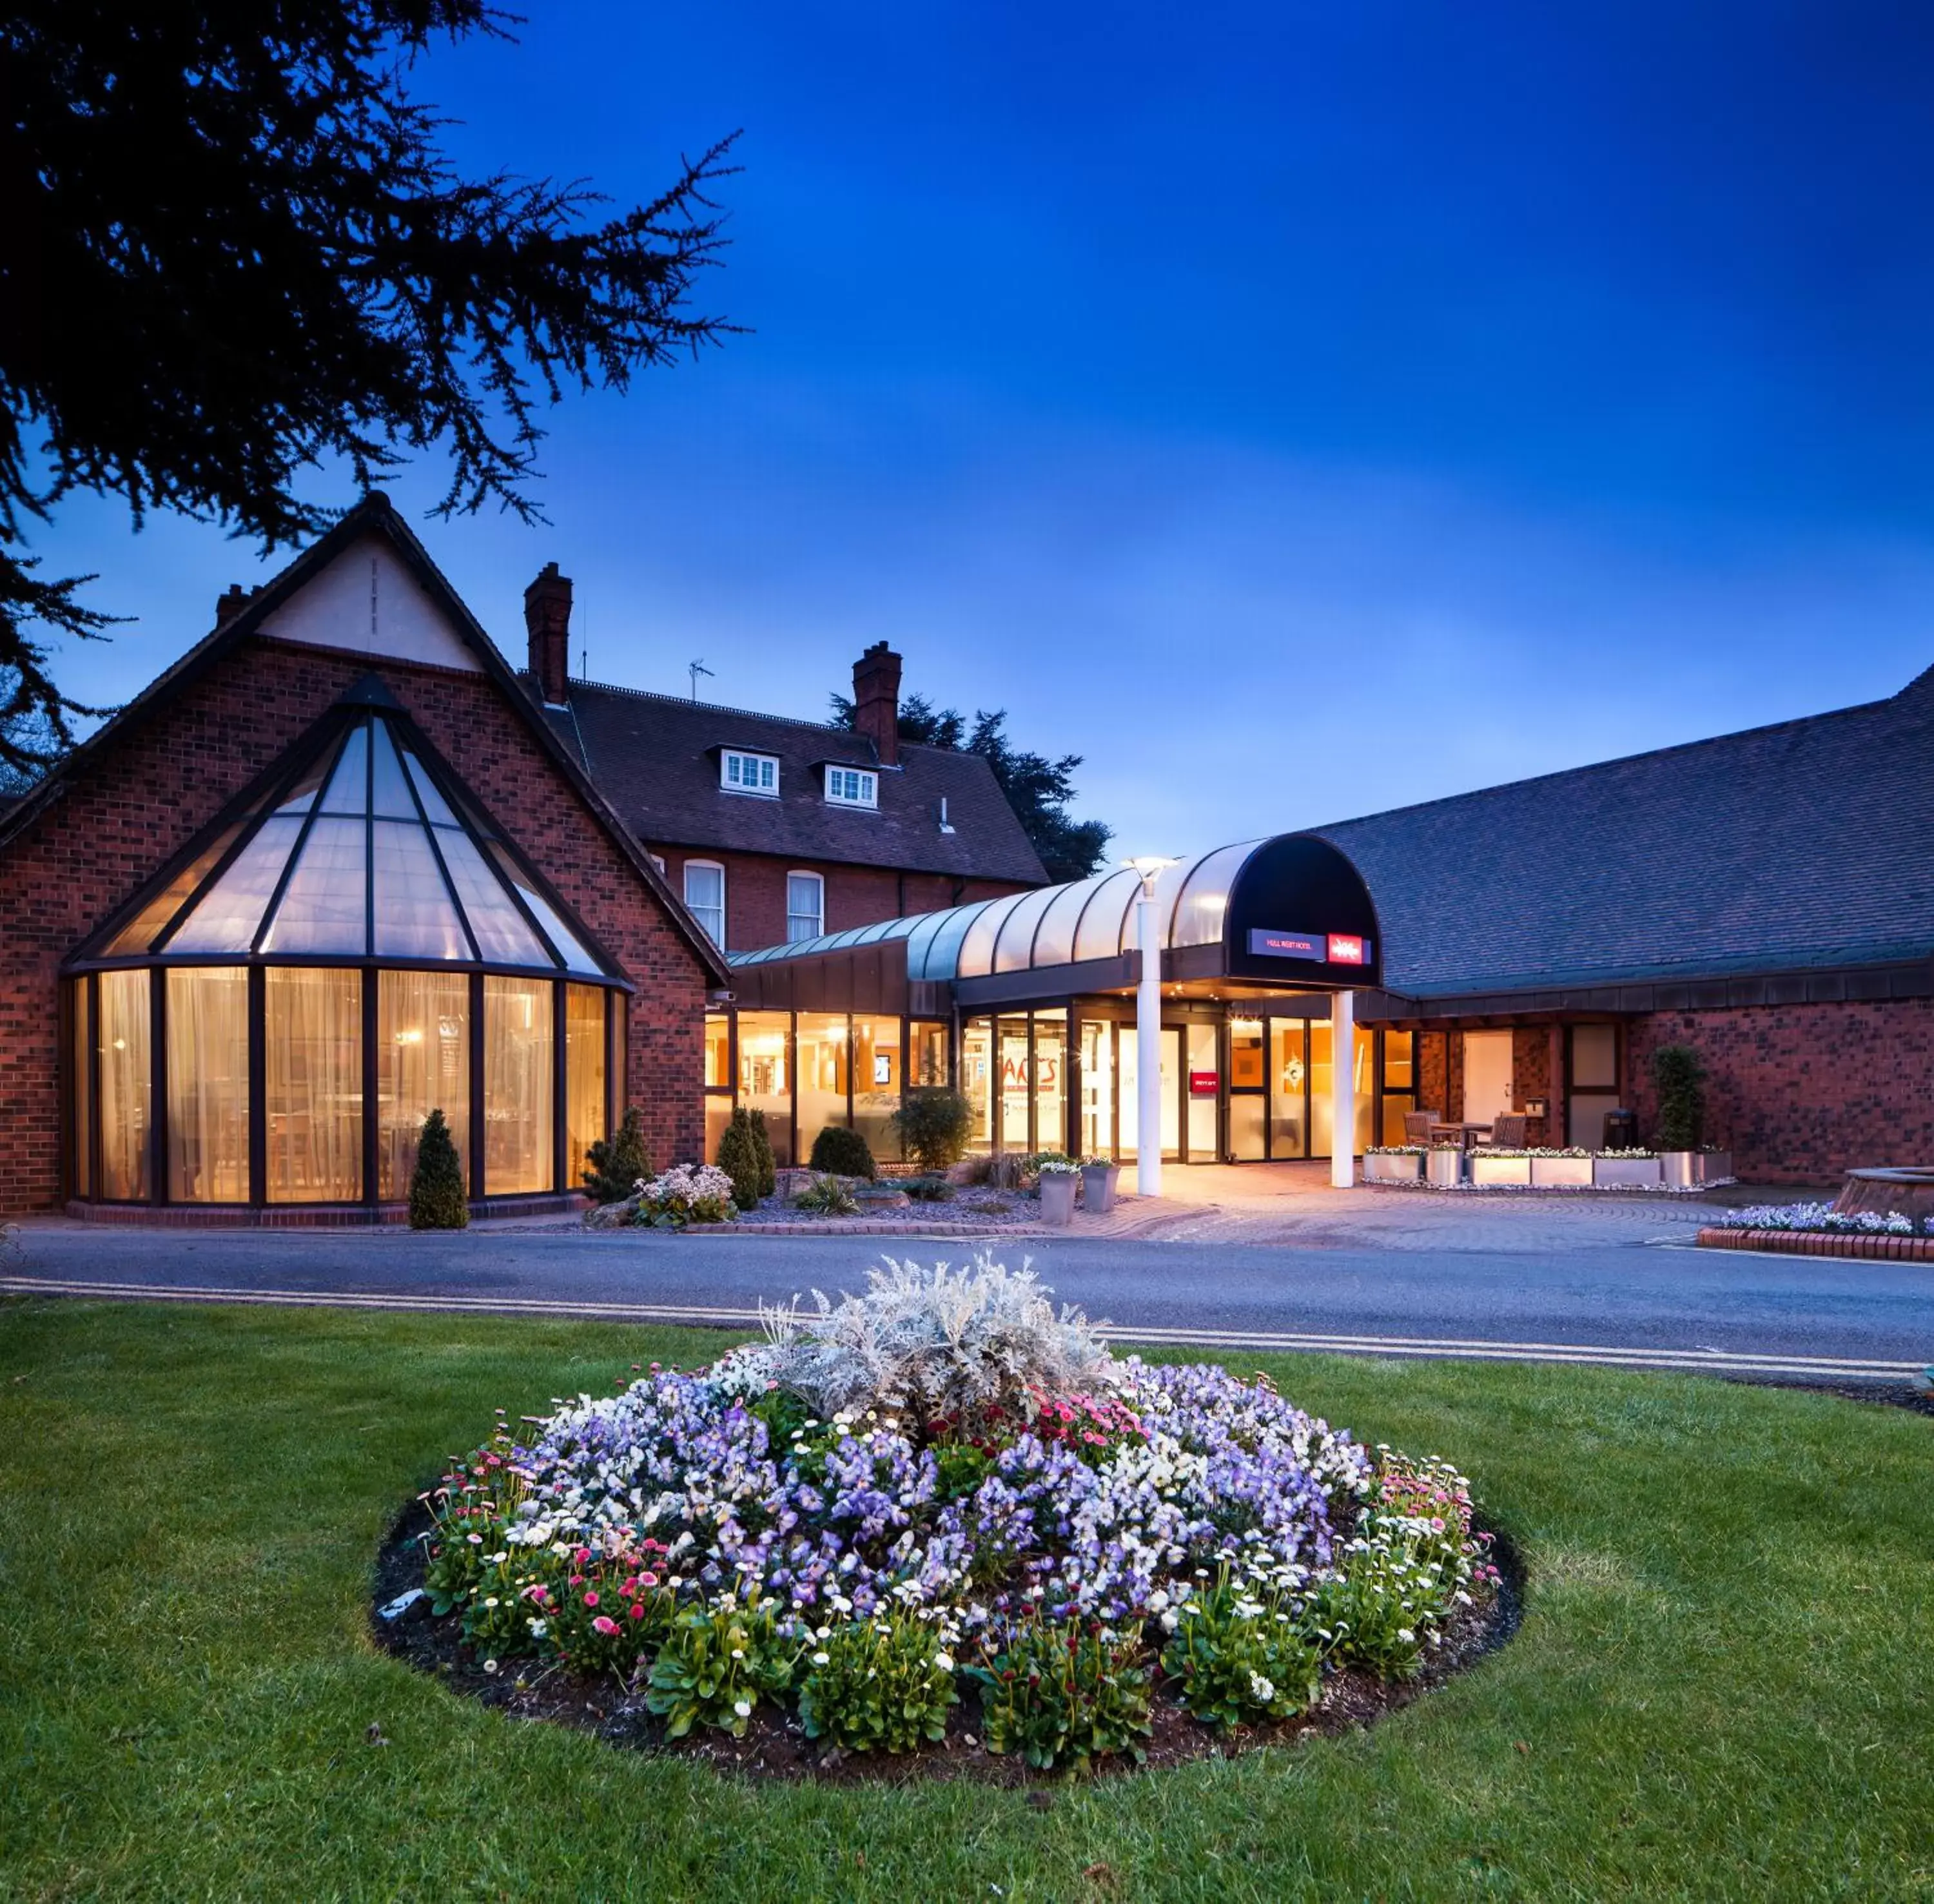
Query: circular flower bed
[[945, 1504]]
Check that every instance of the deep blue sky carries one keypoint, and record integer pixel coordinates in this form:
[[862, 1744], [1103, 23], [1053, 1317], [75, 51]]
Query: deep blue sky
[[1297, 409]]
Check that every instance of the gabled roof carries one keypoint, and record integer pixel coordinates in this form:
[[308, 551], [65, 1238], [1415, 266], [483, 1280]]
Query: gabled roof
[[656, 757], [1806, 844], [374, 515]]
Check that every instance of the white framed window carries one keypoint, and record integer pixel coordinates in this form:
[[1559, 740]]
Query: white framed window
[[806, 906], [705, 896], [748, 773], [850, 787]]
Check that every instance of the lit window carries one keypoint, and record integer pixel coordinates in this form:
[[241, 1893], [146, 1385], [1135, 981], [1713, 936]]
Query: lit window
[[805, 906], [848, 786], [705, 896], [748, 773]]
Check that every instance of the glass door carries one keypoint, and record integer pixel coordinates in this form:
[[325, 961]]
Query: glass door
[[1248, 1093], [1288, 1088], [1202, 1087], [1097, 1133]]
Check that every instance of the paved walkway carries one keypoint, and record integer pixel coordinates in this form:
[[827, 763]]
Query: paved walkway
[[1395, 1273]]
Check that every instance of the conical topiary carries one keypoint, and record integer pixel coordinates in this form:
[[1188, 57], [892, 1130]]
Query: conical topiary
[[739, 1158], [617, 1164], [769, 1170], [437, 1198]]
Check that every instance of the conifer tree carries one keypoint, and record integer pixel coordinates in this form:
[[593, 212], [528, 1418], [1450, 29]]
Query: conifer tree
[[437, 1197], [618, 1164]]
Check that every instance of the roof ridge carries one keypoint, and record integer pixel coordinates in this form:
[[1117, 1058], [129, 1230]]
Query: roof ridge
[[1616, 760], [750, 714]]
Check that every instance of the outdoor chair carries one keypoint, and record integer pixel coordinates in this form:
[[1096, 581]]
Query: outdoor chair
[[1418, 1125], [1507, 1130]]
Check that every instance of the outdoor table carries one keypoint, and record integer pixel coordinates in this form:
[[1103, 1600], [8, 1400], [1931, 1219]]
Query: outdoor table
[[1468, 1132]]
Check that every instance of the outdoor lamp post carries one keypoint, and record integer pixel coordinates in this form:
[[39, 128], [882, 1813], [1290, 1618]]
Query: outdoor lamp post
[[1148, 1033]]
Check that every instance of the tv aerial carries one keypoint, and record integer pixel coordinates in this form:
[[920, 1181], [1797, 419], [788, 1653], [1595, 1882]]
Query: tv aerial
[[695, 668]]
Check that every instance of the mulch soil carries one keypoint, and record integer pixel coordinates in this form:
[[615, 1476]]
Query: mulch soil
[[775, 1746]]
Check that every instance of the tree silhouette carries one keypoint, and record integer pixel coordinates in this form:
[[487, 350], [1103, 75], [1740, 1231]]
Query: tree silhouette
[[232, 248]]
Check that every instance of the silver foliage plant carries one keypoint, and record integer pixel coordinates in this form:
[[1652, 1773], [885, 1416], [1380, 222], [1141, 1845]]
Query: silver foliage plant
[[930, 1344]]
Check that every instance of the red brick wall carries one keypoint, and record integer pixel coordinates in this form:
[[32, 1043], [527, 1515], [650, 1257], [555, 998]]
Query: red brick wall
[[755, 892], [130, 808], [1800, 1093]]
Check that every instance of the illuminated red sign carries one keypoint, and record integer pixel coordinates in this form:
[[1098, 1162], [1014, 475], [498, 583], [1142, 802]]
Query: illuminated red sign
[[1201, 1083], [1345, 948]]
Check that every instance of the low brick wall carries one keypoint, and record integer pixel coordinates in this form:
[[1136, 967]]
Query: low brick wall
[[1822, 1243], [348, 1216]]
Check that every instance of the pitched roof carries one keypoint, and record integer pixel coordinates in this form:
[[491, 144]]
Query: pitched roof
[[375, 514], [1806, 844], [656, 758]]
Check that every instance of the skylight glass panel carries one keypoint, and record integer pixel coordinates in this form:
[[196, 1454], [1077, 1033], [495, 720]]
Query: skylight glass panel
[[390, 796], [415, 916], [1205, 900], [349, 785], [435, 806], [325, 907], [139, 932], [570, 948], [1105, 917], [229, 913], [502, 935], [301, 797]]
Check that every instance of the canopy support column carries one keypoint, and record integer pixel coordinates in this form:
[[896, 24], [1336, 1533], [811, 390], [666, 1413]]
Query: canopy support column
[[1342, 1090], [1148, 1047]]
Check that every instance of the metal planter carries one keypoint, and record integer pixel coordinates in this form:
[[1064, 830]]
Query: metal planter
[[1499, 1170], [1562, 1173], [1099, 1182], [1392, 1170], [1057, 1197], [1613, 1173], [1444, 1169]]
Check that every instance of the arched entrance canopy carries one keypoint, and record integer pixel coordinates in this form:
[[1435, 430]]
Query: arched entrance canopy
[[1291, 910]]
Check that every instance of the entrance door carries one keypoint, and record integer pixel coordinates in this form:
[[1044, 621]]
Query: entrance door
[[1487, 1076], [1127, 1061]]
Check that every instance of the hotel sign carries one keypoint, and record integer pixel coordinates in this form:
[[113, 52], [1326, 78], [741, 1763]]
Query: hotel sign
[[1319, 948]]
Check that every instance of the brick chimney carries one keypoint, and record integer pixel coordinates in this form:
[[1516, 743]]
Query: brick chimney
[[231, 602], [876, 701], [547, 616]]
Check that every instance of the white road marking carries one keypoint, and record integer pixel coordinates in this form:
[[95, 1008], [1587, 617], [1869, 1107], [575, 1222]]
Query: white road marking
[[1423, 1348]]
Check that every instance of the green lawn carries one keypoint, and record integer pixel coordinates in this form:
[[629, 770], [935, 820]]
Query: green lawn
[[1724, 1686]]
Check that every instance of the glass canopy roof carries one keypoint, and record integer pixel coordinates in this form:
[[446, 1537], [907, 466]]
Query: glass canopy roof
[[362, 855], [1093, 918]]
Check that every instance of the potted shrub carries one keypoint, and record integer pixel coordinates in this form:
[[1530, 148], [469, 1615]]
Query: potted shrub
[[1394, 1163], [1679, 1076], [1561, 1170], [1059, 1177], [1444, 1166], [1501, 1167], [1100, 1178], [1625, 1170]]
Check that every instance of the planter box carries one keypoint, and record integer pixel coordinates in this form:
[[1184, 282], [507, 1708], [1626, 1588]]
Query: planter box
[[1611, 1173], [1444, 1169], [1562, 1173], [1099, 1182], [1057, 1197], [1499, 1170], [1714, 1166], [1392, 1170]]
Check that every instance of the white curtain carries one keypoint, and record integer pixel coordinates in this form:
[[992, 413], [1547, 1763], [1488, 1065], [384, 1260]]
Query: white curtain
[[586, 1054], [126, 1081], [208, 1084], [423, 1064], [313, 1061], [520, 1074]]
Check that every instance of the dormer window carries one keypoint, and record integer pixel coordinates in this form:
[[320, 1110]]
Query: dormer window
[[748, 773], [849, 786]]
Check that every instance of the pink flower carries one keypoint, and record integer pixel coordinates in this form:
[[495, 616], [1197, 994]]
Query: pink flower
[[637, 1611], [591, 1600], [648, 1581], [607, 1627]]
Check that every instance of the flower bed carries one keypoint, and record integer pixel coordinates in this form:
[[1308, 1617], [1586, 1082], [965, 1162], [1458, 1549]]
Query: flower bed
[[1819, 1229], [940, 1509]]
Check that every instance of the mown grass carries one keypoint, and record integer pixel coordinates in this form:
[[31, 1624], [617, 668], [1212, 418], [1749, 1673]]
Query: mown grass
[[1721, 1688]]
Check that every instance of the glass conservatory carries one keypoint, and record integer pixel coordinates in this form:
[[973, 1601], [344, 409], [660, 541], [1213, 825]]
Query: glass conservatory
[[353, 946]]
